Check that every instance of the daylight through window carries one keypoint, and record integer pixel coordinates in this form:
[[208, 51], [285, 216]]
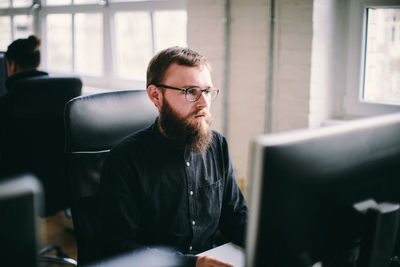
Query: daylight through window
[[107, 45], [382, 56]]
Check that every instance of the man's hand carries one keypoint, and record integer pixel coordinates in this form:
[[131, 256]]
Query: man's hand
[[206, 261]]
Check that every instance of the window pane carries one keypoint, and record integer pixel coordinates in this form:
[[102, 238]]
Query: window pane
[[57, 2], [23, 26], [133, 44], [4, 3], [5, 32], [89, 43], [382, 58], [86, 1], [170, 29], [116, 1], [22, 3], [59, 42]]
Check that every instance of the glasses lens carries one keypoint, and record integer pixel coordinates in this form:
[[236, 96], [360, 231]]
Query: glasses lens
[[193, 94], [213, 94]]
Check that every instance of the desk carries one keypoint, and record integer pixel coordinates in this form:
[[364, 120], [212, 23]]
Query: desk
[[162, 257], [228, 252]]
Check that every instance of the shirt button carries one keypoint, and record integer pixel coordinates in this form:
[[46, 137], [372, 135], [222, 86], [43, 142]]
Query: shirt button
[[190, 248], [191, 193], [188, 163], [193, 222]]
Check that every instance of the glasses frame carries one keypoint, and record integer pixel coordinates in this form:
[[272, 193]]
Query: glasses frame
[[186, 91]]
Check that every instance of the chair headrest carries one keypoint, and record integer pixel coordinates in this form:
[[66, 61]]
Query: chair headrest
[[43, 96], [96, 122]]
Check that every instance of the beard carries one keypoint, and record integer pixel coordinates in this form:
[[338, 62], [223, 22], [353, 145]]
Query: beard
[[196, 137]]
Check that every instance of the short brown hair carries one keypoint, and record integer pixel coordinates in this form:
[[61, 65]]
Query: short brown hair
[[162, 60], [25, 52]]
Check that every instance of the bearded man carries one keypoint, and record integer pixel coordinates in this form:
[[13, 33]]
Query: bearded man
[[172, 184]]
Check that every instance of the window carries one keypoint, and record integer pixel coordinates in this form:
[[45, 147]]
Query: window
[[382, 56], [166, 35], [88, 56], [78, 49], [107, 43], [5, 32], [13, 27], [59, 43], [369, 79], [15, 3], [22, 26], [133, 43]]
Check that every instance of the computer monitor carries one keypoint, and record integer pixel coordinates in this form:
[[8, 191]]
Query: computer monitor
[[304, 187], [20, 205], [3, 73]]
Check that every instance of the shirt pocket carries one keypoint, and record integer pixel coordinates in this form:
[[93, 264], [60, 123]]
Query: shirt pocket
[[209, 202]]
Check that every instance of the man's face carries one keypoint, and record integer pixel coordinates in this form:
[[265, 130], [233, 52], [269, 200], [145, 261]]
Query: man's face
[[181, 120], [184, 77]]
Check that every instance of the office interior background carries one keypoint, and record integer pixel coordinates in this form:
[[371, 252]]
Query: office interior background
[[280, 65]]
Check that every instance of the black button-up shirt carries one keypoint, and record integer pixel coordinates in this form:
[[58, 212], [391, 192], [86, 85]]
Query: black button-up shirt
[[156, 194]]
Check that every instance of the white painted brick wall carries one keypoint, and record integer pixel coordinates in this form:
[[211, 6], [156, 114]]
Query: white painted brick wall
[[328, 73], [322, 57], [249, 49], [246, 111], [249, 66], [293, 33], [206, 26]]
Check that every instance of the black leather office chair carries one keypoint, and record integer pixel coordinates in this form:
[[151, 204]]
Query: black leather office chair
[[93, 125], [36, 139], [36, 134]]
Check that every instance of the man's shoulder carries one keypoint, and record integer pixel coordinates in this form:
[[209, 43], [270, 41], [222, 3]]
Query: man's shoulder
[[219, 143], [140, 138], [218, 137], [218, 134]]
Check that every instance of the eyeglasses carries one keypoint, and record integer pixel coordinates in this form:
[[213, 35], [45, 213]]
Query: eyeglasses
[[193, 93]]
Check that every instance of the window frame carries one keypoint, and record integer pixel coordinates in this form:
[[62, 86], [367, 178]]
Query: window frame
[[108, 9], [15, 11], [353, 105]]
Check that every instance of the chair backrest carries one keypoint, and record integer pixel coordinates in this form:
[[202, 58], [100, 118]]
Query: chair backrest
[[94, 124], [20, 206], [37, 135]]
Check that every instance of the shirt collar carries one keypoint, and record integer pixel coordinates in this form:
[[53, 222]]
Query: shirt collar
[[10, 81]]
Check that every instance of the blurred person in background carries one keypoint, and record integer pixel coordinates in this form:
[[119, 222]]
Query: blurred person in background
[[22, 60]]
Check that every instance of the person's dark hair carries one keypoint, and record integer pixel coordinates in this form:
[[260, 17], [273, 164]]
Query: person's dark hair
[[25, 52], [181, 55]]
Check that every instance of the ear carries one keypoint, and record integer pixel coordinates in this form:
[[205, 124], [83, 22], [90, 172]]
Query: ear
[[155, 95], [11, 67]]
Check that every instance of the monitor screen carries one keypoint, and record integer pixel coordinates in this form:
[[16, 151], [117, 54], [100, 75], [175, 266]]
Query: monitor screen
[[20, 205], [3, 74], [305, 184]]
